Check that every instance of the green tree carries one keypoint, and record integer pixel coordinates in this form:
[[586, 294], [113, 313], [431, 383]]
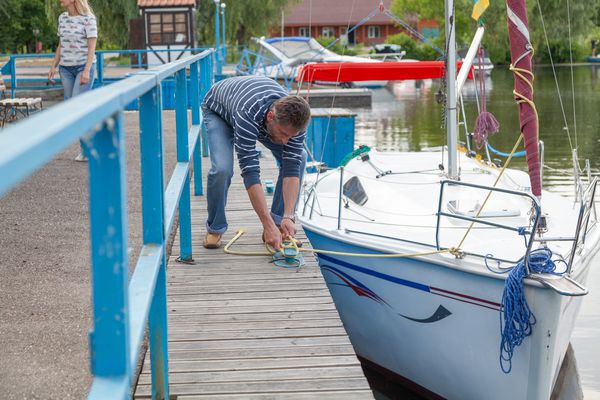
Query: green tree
[[582, 14], [22, 23], [243, 19]]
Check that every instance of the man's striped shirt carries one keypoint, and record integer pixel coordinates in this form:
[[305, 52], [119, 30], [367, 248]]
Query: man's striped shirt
[[243, 103]]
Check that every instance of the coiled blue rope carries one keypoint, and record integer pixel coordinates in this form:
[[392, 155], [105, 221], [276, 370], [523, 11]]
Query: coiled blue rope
[[516, 318], [502, 154]]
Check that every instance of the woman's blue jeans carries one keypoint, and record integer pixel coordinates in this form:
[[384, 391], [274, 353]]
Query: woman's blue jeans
[[220, 144], [70, 77]]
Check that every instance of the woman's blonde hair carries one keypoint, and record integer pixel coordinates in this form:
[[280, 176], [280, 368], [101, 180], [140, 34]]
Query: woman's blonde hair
[[83, 7]]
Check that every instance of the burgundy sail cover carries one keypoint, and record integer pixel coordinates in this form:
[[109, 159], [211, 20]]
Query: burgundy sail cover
[[521, 57]]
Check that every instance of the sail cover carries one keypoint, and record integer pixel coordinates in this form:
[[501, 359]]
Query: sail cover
[[364, 71], [521, 53]]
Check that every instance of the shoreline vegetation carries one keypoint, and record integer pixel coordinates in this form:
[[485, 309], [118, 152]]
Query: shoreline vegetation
[[28, 25]]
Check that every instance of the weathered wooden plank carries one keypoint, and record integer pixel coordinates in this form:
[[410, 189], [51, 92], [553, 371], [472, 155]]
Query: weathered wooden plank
[[204, 354], [186, 303], [257, 364], [317, 386], [255, 309], [257, 343], [182, 290], [245, 325], [246, 317], [269, 277], [253, 280], [245, 334], [328, 395], [188, 295], [260, 375]]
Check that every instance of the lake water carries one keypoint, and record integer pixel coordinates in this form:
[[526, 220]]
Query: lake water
[[405, 116]]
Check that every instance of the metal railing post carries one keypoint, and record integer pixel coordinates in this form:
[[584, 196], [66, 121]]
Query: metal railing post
[[217, 53], [181, 127], [206, 71], [109, 337], [13, 76], [196, 120], [223, 40], [100, 68], [152, 163]]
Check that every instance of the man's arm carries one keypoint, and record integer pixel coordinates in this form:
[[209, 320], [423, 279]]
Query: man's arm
[[271, 233], [290, 188]]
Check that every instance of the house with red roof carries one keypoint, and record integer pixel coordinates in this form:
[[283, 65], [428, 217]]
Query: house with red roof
[[334, 18]]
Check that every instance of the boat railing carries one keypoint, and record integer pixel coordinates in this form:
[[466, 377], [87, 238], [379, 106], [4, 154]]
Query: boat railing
[[525, 231], [565, 286], [253, 63]]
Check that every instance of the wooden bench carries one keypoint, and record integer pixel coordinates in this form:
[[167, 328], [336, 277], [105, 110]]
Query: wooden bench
[[12, 108]]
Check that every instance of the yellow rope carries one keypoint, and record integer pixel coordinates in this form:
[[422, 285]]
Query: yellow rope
[[292, 243], [520, 73]]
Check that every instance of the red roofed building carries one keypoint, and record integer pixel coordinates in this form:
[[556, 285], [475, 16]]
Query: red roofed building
[[333, 18]]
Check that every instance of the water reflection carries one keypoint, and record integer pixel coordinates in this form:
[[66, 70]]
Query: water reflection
[[406, 117]]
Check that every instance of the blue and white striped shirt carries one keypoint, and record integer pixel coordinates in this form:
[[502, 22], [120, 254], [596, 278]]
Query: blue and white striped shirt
[[243, 103]]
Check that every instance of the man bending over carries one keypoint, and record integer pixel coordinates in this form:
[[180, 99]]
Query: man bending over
[[238, 112]]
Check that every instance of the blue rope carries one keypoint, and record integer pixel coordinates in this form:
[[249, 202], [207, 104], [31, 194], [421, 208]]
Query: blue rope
[[502, 154], [516, 318]]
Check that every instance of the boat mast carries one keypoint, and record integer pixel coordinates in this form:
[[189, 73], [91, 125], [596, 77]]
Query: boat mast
[[451, 115]]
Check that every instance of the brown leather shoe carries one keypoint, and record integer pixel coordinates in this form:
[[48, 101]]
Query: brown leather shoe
[[212, 241]]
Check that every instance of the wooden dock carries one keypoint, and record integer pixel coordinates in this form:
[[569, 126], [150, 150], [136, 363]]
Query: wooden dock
[[242, 328]]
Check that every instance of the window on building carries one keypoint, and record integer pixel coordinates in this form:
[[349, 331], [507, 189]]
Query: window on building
[[168, 28], [373, 32], [304, 31], [328, 31]]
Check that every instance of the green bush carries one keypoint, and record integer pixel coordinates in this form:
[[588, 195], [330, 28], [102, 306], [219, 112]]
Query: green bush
[[413, 49], [560, 51], [336, 48]]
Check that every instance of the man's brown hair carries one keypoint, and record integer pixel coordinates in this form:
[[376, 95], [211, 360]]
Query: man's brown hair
[[292, 111]]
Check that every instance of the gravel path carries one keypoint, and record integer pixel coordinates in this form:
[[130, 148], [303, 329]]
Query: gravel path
[[45, 296]]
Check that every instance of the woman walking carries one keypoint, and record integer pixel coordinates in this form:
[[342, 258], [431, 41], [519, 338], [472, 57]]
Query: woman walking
[[75, 55]]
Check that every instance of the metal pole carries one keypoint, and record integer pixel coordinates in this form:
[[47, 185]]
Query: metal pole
[[339, 219], [183, 156], [451, 118], [224, 42], [217, 38]]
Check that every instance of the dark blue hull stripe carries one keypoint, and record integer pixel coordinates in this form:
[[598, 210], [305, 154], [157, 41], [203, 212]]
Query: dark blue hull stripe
[[376, 274]]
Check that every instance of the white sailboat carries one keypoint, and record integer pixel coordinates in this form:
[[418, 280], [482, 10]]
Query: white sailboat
[[420, 252]]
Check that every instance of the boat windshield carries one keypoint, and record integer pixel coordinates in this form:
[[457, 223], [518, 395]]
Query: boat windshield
[[309, 50]]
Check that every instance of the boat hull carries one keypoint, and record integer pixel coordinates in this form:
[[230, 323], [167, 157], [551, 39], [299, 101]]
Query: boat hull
[[438, 326]]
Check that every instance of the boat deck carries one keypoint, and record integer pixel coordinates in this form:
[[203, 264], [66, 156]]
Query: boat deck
[[241, 327]]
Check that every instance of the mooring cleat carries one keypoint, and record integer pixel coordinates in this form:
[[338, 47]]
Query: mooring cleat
[[289, 256]]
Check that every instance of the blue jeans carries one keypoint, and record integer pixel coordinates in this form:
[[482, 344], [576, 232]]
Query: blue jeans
[[220, 144], [70, 77]]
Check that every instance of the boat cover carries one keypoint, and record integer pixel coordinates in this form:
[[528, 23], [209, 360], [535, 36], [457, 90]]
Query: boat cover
[[390, 71]]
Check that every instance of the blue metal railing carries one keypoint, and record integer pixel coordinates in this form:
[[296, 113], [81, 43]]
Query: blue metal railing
[[136, 61], [122, 308]]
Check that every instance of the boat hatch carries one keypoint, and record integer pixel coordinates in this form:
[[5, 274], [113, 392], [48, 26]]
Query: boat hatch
[[355, 191], [470, 208]]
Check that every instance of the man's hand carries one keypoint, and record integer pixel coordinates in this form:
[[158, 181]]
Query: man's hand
[[288, 228], [272, 236]]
